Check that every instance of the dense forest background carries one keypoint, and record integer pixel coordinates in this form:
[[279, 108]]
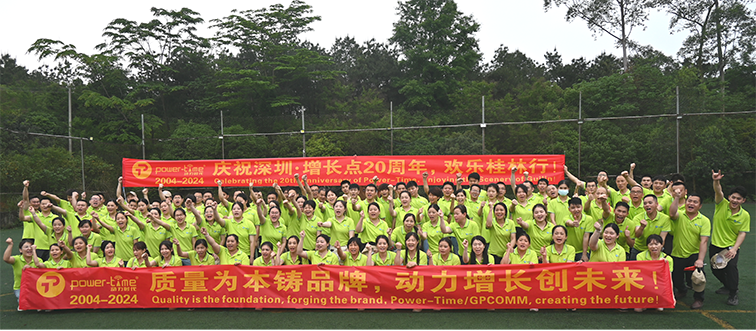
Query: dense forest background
[[427, 81]]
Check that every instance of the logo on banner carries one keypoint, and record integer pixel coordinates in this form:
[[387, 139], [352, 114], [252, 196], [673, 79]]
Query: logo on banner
[[141, 169], [51, 284]]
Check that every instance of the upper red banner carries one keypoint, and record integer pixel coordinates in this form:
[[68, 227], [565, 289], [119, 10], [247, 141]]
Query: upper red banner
[[330, 171], [591, 285]]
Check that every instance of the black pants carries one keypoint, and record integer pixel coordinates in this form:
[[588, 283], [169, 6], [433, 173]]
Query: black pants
[[668, 244], [728, 276], [43, 254], [680, 277]]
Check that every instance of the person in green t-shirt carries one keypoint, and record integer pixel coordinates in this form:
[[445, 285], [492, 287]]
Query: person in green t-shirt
[[321, 255], [692, 232], [60, 257], [108, 256], [479, 253], [266, 258], [19, 262], [354, 257], [607, 249], [522, 254], [200, 254], [731, 225], [559, 251], [445, 255], [382, 256]]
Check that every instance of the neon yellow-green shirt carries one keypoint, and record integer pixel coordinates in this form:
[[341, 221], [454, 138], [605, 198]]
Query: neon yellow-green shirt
[[688, 233], [530, 257], [604, 254], [727, 226], [452, 259], [567, 254], [18, 267]]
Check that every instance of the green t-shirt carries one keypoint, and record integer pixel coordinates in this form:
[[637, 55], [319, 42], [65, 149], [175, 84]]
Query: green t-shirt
[[475, 260], [239, 257], [575, 234], [560, 209], [434, 234], [103, 262], [530, 257], [539, 237], [400, 213], [175, 261], [292, 259], [418, 202], [422, 258], [18, 267], [452, 259], [627, 224], [727, 226], [185, 235], [340, 230], [260, 262], [500, 236], [688, 233], [567, 254], [466, 232], [243, 229], [360, 261], [311, 231], [371, 231], [153, 237], [196, 260], [604, 254], [329, 258], [646, 256], [125, 240], [270, 233], [63, 263], [660, 224], [388, 261], [524, 211], [41, 238]]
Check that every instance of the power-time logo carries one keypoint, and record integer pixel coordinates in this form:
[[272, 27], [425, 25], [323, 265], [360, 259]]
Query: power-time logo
[[51, 284], [141, 169]]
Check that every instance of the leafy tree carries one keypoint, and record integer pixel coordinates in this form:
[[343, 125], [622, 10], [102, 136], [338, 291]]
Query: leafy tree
[[615, 18], [438, 48], [511, 70]]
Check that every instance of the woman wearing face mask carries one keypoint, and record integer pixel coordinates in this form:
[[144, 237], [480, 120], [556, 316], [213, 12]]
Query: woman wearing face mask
[[321, 255], [353, 257], [199, 256], [266, 258], [108, 258], [607, 249], [479, 254], [382, 257], [538, 228], [445, 255], [559, 209]]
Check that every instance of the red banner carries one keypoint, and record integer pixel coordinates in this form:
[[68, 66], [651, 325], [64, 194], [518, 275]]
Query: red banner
[[330, 171], [635, 284]]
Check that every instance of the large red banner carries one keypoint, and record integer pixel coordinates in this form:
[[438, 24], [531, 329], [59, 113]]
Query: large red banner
[[633, 284], [331, 171]]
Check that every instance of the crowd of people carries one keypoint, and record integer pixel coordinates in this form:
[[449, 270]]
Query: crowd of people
[[392, 224]]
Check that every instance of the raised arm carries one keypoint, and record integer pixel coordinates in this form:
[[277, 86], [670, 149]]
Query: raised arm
[[36, 219], [136, 220], [211, 241], [96, 218], [593, 243], [444, 228], [221, 198], [358, 227], [36, 260], [119, 188], [489, 218], [301, 253], [52, 197], [718, 194], [301, 187], [89, 257], [340, 252], [398, 255], [180, 253], [465, 255], [123, 205], [260, 213], [578, 182], [25, 192], [630, 176], [425, 183], [7, 257], [524, 225], [512, 181], [160, 222]]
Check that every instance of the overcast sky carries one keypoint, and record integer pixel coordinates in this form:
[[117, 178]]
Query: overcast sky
[[517, 24]]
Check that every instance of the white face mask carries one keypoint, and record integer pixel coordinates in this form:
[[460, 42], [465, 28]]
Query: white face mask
[[563, 192]]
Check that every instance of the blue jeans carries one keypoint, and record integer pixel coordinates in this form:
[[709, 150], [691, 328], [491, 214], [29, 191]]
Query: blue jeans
[[186, 262]]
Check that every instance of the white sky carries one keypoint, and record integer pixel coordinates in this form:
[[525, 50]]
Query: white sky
[[517, 24]]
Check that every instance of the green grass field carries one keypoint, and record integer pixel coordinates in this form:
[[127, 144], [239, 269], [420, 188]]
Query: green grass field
[[714, 315]]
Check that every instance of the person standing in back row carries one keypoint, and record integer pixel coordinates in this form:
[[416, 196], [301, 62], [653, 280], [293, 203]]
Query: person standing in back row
[[731, 224]]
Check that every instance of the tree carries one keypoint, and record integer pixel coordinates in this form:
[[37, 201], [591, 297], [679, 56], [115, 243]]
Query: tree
[[616, 18], [511, 70], [439, 50], [721, 33]]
